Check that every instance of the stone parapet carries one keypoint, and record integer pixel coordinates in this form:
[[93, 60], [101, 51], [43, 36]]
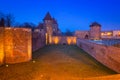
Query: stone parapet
[[107, 55]]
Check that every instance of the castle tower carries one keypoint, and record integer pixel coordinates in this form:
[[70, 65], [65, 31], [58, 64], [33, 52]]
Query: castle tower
[[48, 22], [95, 31], [55, 27]]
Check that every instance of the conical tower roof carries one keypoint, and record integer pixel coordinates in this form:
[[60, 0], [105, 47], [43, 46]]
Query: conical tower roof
[[95, 24], [48, 16]]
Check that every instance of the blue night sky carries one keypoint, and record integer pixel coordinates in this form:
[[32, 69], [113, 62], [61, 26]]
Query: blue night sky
[[70, 14]]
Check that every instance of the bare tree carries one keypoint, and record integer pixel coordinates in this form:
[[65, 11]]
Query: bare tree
[[2, 22], [26, 25], [68, 33], [6, 20], [9, 20]]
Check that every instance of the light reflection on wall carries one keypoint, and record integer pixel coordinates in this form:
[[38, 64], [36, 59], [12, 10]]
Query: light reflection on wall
[[106, 34], [109, 34], [17, 45], [1, 45], [69, 40], [50, 39], [74, 40], [29, 46], [8, 44], [56, 40], [119, 33], [46, 38], [102, 34], [63, 40]]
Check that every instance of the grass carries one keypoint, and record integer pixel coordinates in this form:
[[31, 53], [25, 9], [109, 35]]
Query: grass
[[56, 62]]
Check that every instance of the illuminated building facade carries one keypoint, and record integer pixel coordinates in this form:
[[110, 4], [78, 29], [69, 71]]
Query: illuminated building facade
[[50, 26], [52, 33], [95, 33]]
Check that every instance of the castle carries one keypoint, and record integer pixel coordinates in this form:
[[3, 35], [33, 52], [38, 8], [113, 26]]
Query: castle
[[51, 34], [15, 48], [50, 27], [95, 33]]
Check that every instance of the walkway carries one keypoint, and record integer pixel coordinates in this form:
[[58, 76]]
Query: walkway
[[60, 62]]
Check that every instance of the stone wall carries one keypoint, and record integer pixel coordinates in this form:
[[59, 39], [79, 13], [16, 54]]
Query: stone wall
[[1, 45], [95, 32], [107, 55], [63, 40], [16, 45], [81, 34], [38, 40]]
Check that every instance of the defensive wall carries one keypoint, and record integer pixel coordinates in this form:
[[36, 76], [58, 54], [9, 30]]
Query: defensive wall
[[38, 40], [15, 45], [107, 55], [70, 40]]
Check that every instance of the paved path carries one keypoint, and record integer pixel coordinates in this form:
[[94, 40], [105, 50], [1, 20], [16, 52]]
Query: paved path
[[55, 63]]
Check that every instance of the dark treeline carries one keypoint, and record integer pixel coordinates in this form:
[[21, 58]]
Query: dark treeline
[[68, 33], [8, 20]]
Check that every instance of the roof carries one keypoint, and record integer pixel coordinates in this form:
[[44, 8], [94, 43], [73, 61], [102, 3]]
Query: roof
[[95, 24], [54, 21], [40, 26], [48, 16]]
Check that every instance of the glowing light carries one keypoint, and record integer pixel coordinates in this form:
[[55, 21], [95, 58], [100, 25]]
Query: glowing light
[[102, 34], [41, 75], [6, 65], [119, 33], [1, 45], [46, 38], [69, 40], [56, 40], [50, 39], [33, 61], [30, 47], [74, 40], [109, 33]]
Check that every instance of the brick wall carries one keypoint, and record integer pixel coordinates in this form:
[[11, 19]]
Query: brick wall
[[63, 40], [81, 34], [16, 45], [38, 40], [107, 55], [1, 45]]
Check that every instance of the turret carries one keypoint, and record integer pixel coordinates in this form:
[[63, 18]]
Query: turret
[[55, 27], [48, 22], [95, 31]]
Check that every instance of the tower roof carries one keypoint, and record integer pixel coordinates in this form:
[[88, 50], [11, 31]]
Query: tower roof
[[48, 16], [95, 24], [54, 21], [40, 26]]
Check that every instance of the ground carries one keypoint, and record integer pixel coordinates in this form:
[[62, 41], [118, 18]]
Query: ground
[[117, 45], [56, 62]]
